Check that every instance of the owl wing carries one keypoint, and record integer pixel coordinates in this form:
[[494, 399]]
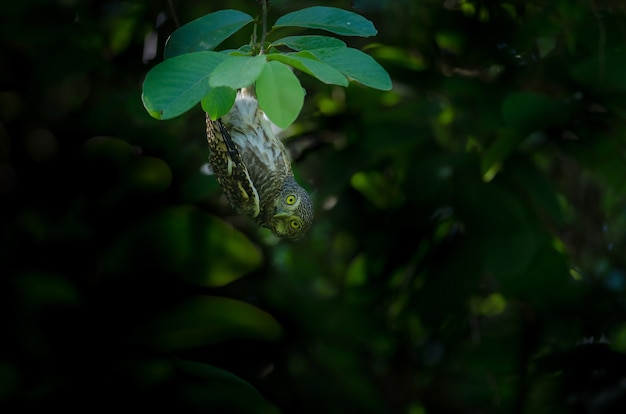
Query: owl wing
[[230, 169]]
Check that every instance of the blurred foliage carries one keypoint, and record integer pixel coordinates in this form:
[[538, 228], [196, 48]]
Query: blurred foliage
[[468, 249]]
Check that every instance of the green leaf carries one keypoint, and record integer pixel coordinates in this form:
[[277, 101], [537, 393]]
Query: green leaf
[[538, 188], [359, 66], [237, 71], [174, 86], [308, 63], [216, 389], [245, 50], [218, 101], [279, 93], [205, 33], [331, 19], [545, 45], [204, 320], [508, 238], [599, 155], [211, 373], [149, 175], [603, 72], [40, 290], [529, 111], [187, 243], [491, 161], [309, 42], [377, 189]]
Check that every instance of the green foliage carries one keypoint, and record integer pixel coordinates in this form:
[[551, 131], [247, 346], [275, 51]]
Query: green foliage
[[205, 33], [308, 63], [308, 42], [356, 65], [602, 71], [179, 83], [333, 20], [226, 391], [205, 320], [279, 91], [208, 252], [218, 101], [527, 111], [237, 72]]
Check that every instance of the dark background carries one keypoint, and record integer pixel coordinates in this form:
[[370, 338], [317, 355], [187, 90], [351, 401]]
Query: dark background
[[467, 254]]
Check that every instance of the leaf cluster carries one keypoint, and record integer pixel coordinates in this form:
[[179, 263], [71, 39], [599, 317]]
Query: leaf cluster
[[193, 72]]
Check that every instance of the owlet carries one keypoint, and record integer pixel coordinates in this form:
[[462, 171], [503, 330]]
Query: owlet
[[253, 168]]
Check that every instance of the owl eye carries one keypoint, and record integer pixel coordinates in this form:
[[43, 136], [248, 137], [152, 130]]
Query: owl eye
[[295, 224], [291, 199]]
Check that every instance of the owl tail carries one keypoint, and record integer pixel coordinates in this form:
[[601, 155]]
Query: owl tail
[[247, 92], [243, 114]]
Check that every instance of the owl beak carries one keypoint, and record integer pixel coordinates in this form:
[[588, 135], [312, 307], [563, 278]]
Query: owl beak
[[279, 213]]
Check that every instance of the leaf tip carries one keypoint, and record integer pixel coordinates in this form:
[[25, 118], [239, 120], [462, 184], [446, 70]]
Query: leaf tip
[[387, 86], [156, 114]]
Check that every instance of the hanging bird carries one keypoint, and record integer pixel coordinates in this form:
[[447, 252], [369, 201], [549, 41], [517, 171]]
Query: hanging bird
[[254, 170]]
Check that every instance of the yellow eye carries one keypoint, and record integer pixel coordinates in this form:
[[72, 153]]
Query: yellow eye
[[295, 224], [291, 199]]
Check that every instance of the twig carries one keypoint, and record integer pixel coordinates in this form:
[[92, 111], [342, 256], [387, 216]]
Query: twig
[[263, 25], [173, 13]]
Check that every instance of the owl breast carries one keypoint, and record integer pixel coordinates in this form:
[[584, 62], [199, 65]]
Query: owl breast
[[264, 155]]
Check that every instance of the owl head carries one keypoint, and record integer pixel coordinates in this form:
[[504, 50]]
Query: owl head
[[293, 212]]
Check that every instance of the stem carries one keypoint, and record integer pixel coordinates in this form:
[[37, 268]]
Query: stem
[[173, 13], [263, 25]]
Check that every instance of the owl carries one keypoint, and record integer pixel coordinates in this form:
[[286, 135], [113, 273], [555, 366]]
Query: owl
[[254, 170]]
